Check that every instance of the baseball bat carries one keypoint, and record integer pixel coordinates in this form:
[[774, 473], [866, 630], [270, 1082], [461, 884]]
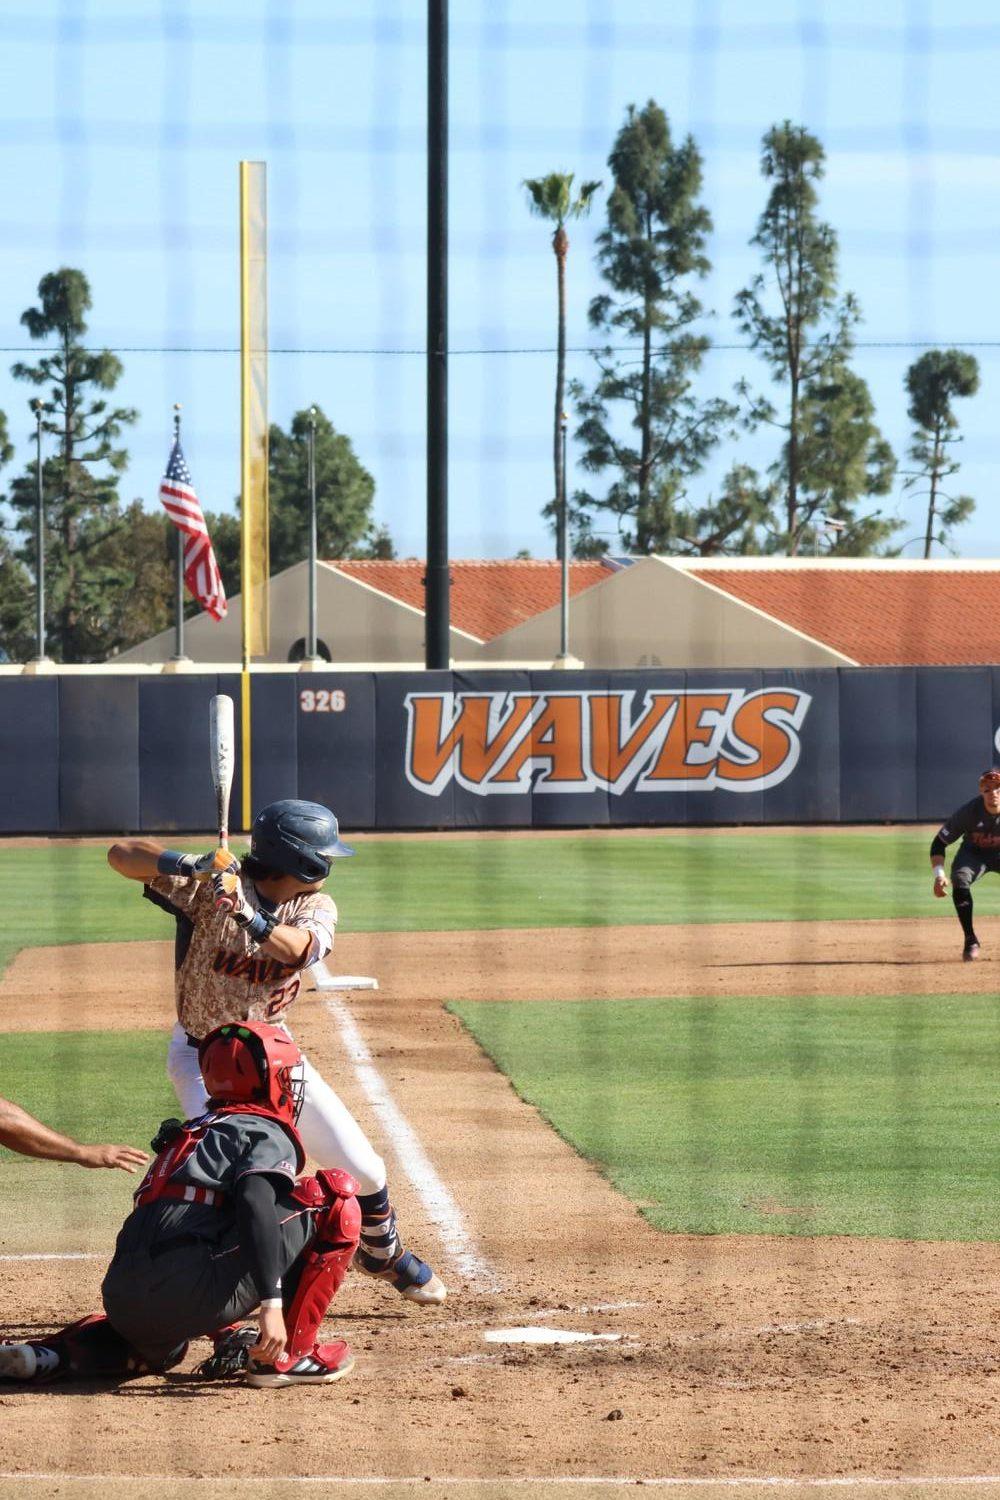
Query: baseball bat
[[222, 738]]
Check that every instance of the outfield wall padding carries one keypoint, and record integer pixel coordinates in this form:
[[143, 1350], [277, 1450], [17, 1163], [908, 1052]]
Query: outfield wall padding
[[504, 749]]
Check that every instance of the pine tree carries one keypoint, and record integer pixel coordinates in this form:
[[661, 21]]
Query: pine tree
[[17, 608], [345, 493], [833, 454], [650, 254], [932, 382], [80, 483]]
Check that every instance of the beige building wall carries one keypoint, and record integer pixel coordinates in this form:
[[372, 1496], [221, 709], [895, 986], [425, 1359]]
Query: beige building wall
[[357, 623], [652, 614]]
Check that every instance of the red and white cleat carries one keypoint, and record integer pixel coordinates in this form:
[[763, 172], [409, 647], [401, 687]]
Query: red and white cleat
[[326, 1363]]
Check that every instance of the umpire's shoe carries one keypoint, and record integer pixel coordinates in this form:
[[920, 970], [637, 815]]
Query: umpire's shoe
[[326, 1363], [971, 951]]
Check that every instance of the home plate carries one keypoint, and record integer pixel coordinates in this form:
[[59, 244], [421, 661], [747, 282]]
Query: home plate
[[545, 1336]]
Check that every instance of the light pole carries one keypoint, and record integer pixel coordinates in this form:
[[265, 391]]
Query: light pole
[[563, 656], [38, 407], [311, 629]]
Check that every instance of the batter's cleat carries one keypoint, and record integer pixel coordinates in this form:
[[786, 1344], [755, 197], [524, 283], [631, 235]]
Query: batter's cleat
[[326, 1363], [413, 1279], [971, 951], [28, 1362]]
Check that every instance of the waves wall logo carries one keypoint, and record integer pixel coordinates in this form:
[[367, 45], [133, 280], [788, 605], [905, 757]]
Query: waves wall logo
[[496, 743]]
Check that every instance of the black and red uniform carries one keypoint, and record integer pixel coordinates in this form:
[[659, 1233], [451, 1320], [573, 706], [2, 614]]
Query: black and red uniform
[[978, 854], [216, 1228], [220, 1224]]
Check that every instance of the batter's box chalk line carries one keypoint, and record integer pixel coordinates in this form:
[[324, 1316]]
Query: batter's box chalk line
[[439, 1204]]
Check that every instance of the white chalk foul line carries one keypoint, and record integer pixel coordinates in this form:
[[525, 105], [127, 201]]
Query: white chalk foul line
[[441, 1207], [501, 1482]]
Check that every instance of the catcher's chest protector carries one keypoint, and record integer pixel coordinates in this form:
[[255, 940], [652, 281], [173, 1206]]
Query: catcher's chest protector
[[156, 1183], [331, 1194]]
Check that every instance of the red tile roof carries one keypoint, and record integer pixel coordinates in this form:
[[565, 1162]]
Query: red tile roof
[[900, 616], [487, 597]]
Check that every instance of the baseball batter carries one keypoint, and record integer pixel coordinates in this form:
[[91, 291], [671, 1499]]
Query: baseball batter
[[220, 1227], [244, 936], [977, 823]]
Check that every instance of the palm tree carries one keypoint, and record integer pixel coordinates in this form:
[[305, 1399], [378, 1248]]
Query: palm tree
[[552, 198]]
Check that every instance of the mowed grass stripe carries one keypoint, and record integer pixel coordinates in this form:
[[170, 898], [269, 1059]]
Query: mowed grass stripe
[[93, 1086], [806, 1115], [65, 893]]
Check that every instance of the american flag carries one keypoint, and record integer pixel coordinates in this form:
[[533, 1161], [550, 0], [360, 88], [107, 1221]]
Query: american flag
[[201, 571]]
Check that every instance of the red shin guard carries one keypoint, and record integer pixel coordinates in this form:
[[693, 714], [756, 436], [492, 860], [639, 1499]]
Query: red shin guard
[[325, 1261]]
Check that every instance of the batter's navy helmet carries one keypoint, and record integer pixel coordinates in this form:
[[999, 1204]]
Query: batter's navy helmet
[[297, 838]]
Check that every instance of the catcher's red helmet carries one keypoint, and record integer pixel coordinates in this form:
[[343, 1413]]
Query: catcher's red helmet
[[990, 780], [250, 1062]]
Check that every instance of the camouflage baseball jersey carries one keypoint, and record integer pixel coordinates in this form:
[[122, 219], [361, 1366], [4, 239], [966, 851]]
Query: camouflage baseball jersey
[[220, 975]]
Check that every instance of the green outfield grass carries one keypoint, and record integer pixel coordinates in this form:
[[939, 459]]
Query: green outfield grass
[[93, 1086], [65, 893], [870, 1116]]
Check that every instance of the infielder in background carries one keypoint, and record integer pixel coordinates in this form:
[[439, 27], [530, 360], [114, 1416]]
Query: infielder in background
[[977, 823], [245, 934], [22, 1133], [220, 1226]]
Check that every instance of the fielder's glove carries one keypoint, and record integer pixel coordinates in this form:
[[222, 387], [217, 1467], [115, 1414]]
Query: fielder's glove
[[940, 881]]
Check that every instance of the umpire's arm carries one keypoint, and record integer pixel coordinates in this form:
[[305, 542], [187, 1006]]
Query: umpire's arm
[[22, 1133]]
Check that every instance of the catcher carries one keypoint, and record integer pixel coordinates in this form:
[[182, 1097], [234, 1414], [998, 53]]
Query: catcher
[[221, 1226], [977, 823], [245, 933]]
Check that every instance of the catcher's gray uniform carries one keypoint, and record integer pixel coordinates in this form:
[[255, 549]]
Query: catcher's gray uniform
[[179, 1269]]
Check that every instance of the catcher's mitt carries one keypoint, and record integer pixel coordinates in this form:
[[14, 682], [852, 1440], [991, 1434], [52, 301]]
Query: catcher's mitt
[[230, 1356]]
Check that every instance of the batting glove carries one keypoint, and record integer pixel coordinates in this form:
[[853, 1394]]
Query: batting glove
[[195, 866], [940, 881], [228, 892], [229, 896]]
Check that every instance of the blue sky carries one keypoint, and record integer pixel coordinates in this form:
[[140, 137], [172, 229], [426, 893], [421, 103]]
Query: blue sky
[[122, 125]]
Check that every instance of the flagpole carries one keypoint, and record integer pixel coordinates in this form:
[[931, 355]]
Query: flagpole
[[179, 615]]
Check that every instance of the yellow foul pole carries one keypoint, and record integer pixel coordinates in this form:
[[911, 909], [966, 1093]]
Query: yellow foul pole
[[254, 559]]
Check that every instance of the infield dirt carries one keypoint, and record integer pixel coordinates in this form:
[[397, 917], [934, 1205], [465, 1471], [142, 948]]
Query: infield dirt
[[733, 1356]]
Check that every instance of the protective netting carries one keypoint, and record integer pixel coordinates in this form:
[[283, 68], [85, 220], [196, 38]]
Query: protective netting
[[123, 127]]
